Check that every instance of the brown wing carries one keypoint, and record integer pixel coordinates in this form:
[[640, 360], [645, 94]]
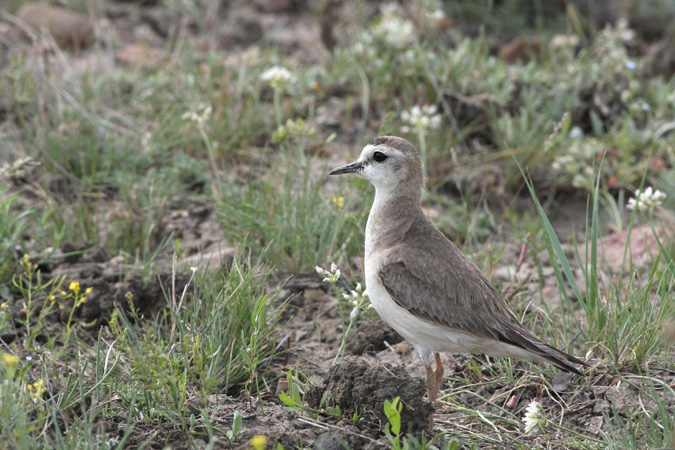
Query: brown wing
[[435, 281]]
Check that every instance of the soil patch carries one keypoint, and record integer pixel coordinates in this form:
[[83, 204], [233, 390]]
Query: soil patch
[[357, 387]]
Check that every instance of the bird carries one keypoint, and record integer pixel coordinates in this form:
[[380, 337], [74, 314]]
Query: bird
[[421, 284]]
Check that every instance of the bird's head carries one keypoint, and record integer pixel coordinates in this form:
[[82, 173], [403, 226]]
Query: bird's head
[[390, 163]]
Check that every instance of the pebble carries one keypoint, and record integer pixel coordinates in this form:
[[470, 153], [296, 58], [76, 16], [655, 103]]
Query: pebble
[[69, 29]]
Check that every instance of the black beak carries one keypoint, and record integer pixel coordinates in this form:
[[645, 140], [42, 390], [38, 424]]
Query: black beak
[[349, 168]]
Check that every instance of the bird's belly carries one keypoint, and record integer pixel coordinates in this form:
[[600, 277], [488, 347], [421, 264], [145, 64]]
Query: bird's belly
[[427, 335]]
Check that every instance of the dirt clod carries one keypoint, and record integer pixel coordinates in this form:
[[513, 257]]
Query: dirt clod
[[562, 381], [69, 29], [328, 441], [371, 335], [359, 387]]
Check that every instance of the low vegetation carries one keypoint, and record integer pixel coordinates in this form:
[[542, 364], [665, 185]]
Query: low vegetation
[[152, 214]]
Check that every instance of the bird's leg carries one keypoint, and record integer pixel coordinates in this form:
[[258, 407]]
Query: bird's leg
[[434, 376], [438, 373], [431, 383]]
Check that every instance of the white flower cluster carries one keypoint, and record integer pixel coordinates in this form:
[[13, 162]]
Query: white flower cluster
[[392, 28], [294, 129], [359, 300], [577, 162], [329, 276], [364, 46], [610, 50], [535, 418], [199, 115], [435, 16], [647, 200], [420, 119], [564, 41], [277, 77]]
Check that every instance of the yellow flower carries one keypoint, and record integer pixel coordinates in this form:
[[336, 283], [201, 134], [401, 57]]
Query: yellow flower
[[89, 290], [74, 286], [4, 305], [258, 442], [10, 360], [339, 201], [63, 293], [37, 389]]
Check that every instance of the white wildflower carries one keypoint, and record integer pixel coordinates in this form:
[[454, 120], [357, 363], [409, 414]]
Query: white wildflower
[[436, 15], [535, 418], [359, 301], [576, 133], [647, 200], [200, 115], [363, 46], [329, 277], [356, 295], [392, 28], [564, 40], [420, 119], [625, 33], [277, 77]]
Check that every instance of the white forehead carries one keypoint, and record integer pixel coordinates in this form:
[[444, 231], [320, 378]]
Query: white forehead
[[369, 149]]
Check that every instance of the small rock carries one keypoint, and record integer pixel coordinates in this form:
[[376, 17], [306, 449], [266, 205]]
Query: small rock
[[282, 386], [601, 406], [241, 28], [521, 49], [668, 334], [617, 396], [69, 29], [140, 56], [314, 295], [371, 335], [401, 348], [96, 255], [328, 441], [504, 273], [561, 382], [595, 424]]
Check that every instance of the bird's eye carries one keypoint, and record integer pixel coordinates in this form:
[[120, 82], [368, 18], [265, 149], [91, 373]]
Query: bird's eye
[[379, 156]]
